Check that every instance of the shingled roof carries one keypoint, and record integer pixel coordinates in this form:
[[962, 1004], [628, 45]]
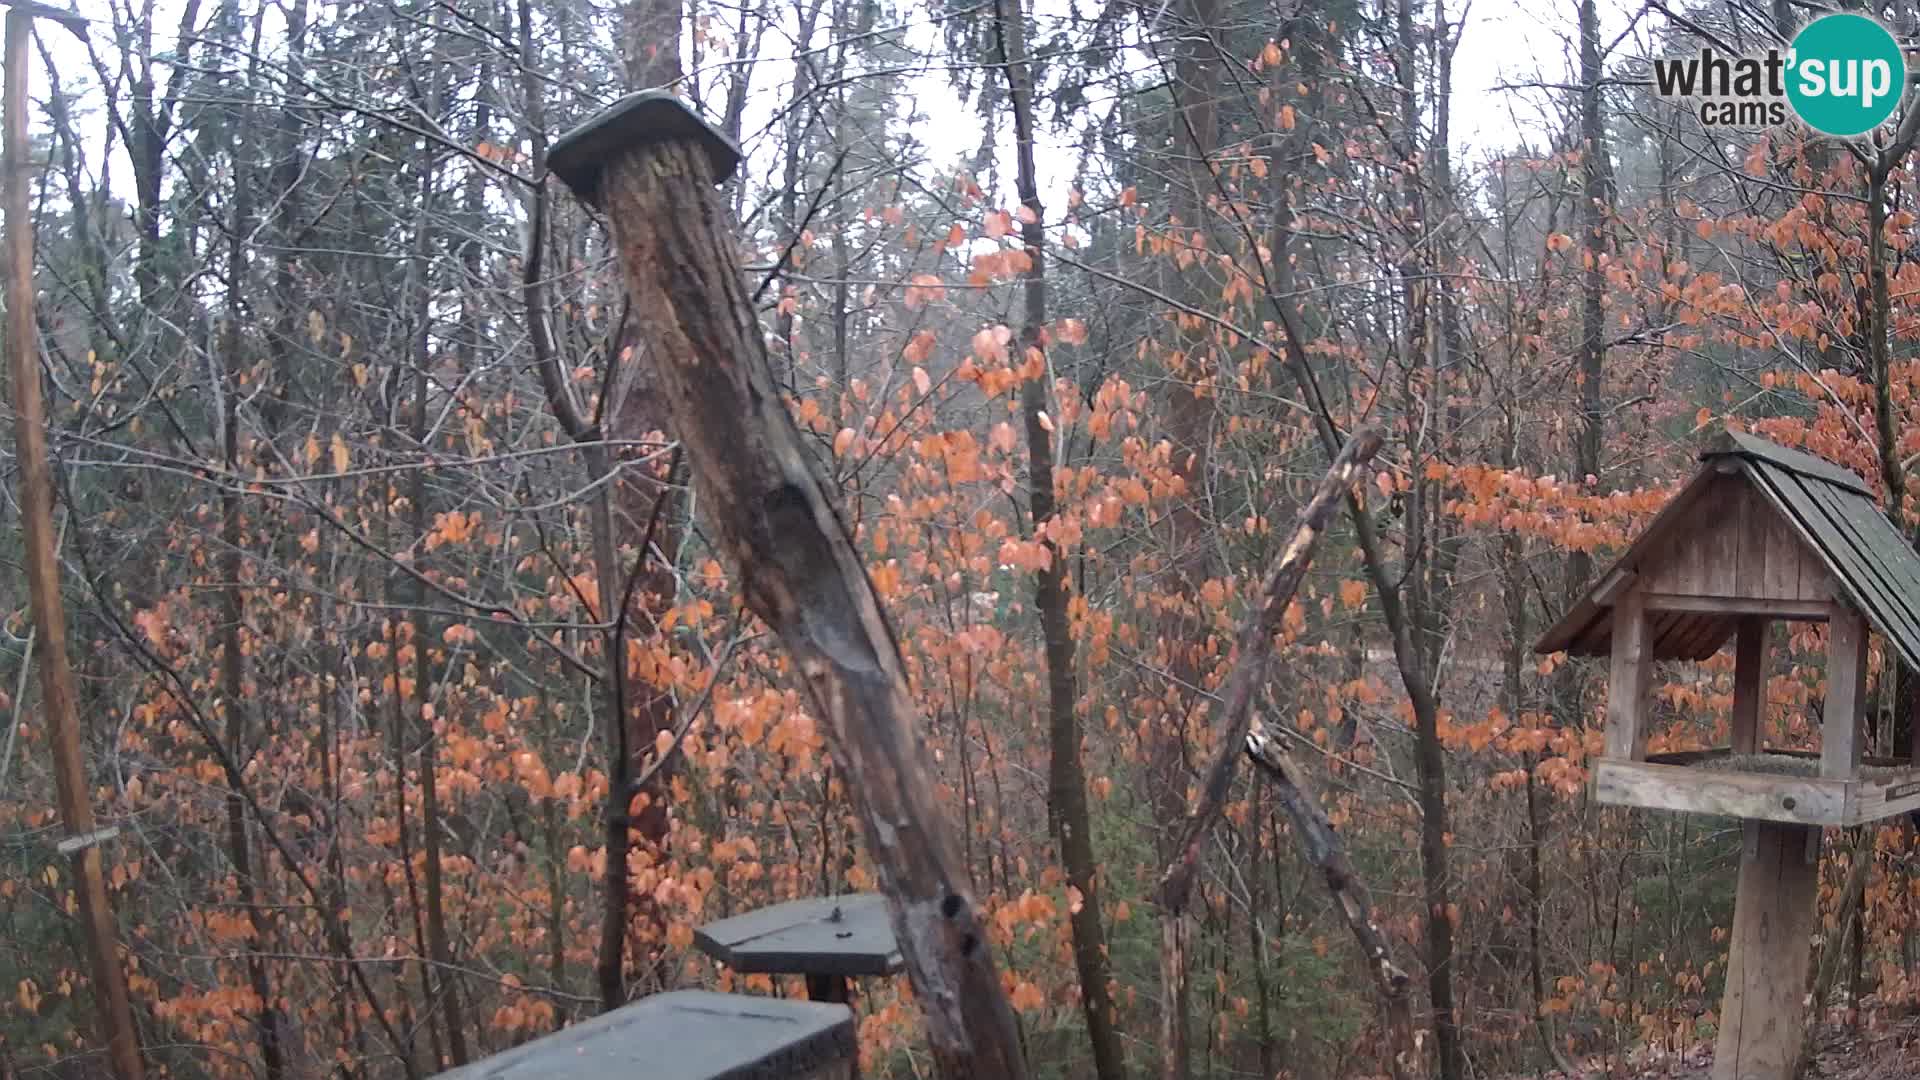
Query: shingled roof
[[1832, 513]]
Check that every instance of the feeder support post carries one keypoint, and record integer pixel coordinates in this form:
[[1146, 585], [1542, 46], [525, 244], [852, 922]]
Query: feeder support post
[[651, 165], [1763, 1014]]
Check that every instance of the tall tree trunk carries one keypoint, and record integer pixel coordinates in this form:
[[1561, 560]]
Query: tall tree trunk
[[1189, 543], [230, 378], [444, 995], [1067, 781], [1421, 605]]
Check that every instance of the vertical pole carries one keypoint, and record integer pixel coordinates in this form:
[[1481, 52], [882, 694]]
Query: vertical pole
[[1749, 683], [43, 574], [1842, 726], [1629, 680], [1763, 1016]]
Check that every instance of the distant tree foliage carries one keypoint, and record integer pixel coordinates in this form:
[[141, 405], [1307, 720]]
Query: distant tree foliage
[[415, 685]]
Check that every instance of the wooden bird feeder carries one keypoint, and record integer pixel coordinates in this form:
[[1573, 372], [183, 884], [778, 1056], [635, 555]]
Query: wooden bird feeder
[[1761, 533], [830, 940], [688, 1035]]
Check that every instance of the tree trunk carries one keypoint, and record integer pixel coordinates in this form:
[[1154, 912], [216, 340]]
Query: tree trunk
[[798, 570], [1189, 541], [1067, 781], [232, 615]]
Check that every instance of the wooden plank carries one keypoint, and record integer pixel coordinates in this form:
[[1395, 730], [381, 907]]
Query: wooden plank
[[1843, 724], [1787, 555], [1763, 796], [824, 935], [1885, 556], [1874, 760], [1762, 1015], [1803, 610], [1889, 590], [1666, 631], [1819, 527], [1750, 558], [1705, 635], [1630, 676], [1688, 757], [1875, 800], [1719, 540], [1679, 564], [1749, 683], [1612, 585]]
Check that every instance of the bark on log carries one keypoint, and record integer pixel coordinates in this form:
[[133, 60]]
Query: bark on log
[[798, 570]]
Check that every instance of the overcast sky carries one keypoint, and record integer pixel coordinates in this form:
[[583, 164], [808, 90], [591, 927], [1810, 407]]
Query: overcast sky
[[1506, 44]]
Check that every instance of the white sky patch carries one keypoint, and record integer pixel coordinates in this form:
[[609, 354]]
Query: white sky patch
[[1511, 74]]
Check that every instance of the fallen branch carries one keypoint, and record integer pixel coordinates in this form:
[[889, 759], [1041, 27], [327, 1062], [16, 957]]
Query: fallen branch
[[1322, 847], [1254, 651]]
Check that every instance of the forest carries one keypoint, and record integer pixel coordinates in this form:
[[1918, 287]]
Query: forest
[[1221, 399]]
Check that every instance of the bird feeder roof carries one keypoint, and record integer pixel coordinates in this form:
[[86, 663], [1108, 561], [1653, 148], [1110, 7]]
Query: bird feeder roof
[[1758, 523]]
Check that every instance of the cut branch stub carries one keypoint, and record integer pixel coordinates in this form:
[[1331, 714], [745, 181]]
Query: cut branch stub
[[796, 563], [581, 156]]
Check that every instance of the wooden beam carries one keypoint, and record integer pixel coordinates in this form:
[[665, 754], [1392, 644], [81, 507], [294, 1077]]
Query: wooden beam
[[1842, 727], [1766, 796], [1629, 680], [1803, 610], [1875, 800], [1762, 1015], [1749, 683], [1617, 581]]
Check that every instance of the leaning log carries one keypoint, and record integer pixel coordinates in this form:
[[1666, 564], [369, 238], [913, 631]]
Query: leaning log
[[1253, 660], [652, 166], [1325, 853]]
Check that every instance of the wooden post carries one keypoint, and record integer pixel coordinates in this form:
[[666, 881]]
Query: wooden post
[[1749, 683], [652, 165], [834, 989], [1629, 680], [1763, 1013], [1841, 728], [43, 567]]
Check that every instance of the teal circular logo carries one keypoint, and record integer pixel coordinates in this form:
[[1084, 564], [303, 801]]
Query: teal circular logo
[[1846, 75]]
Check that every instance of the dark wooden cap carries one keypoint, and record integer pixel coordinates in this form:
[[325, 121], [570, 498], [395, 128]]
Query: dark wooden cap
[[642, 119], [684, 1035], [829, 935]]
